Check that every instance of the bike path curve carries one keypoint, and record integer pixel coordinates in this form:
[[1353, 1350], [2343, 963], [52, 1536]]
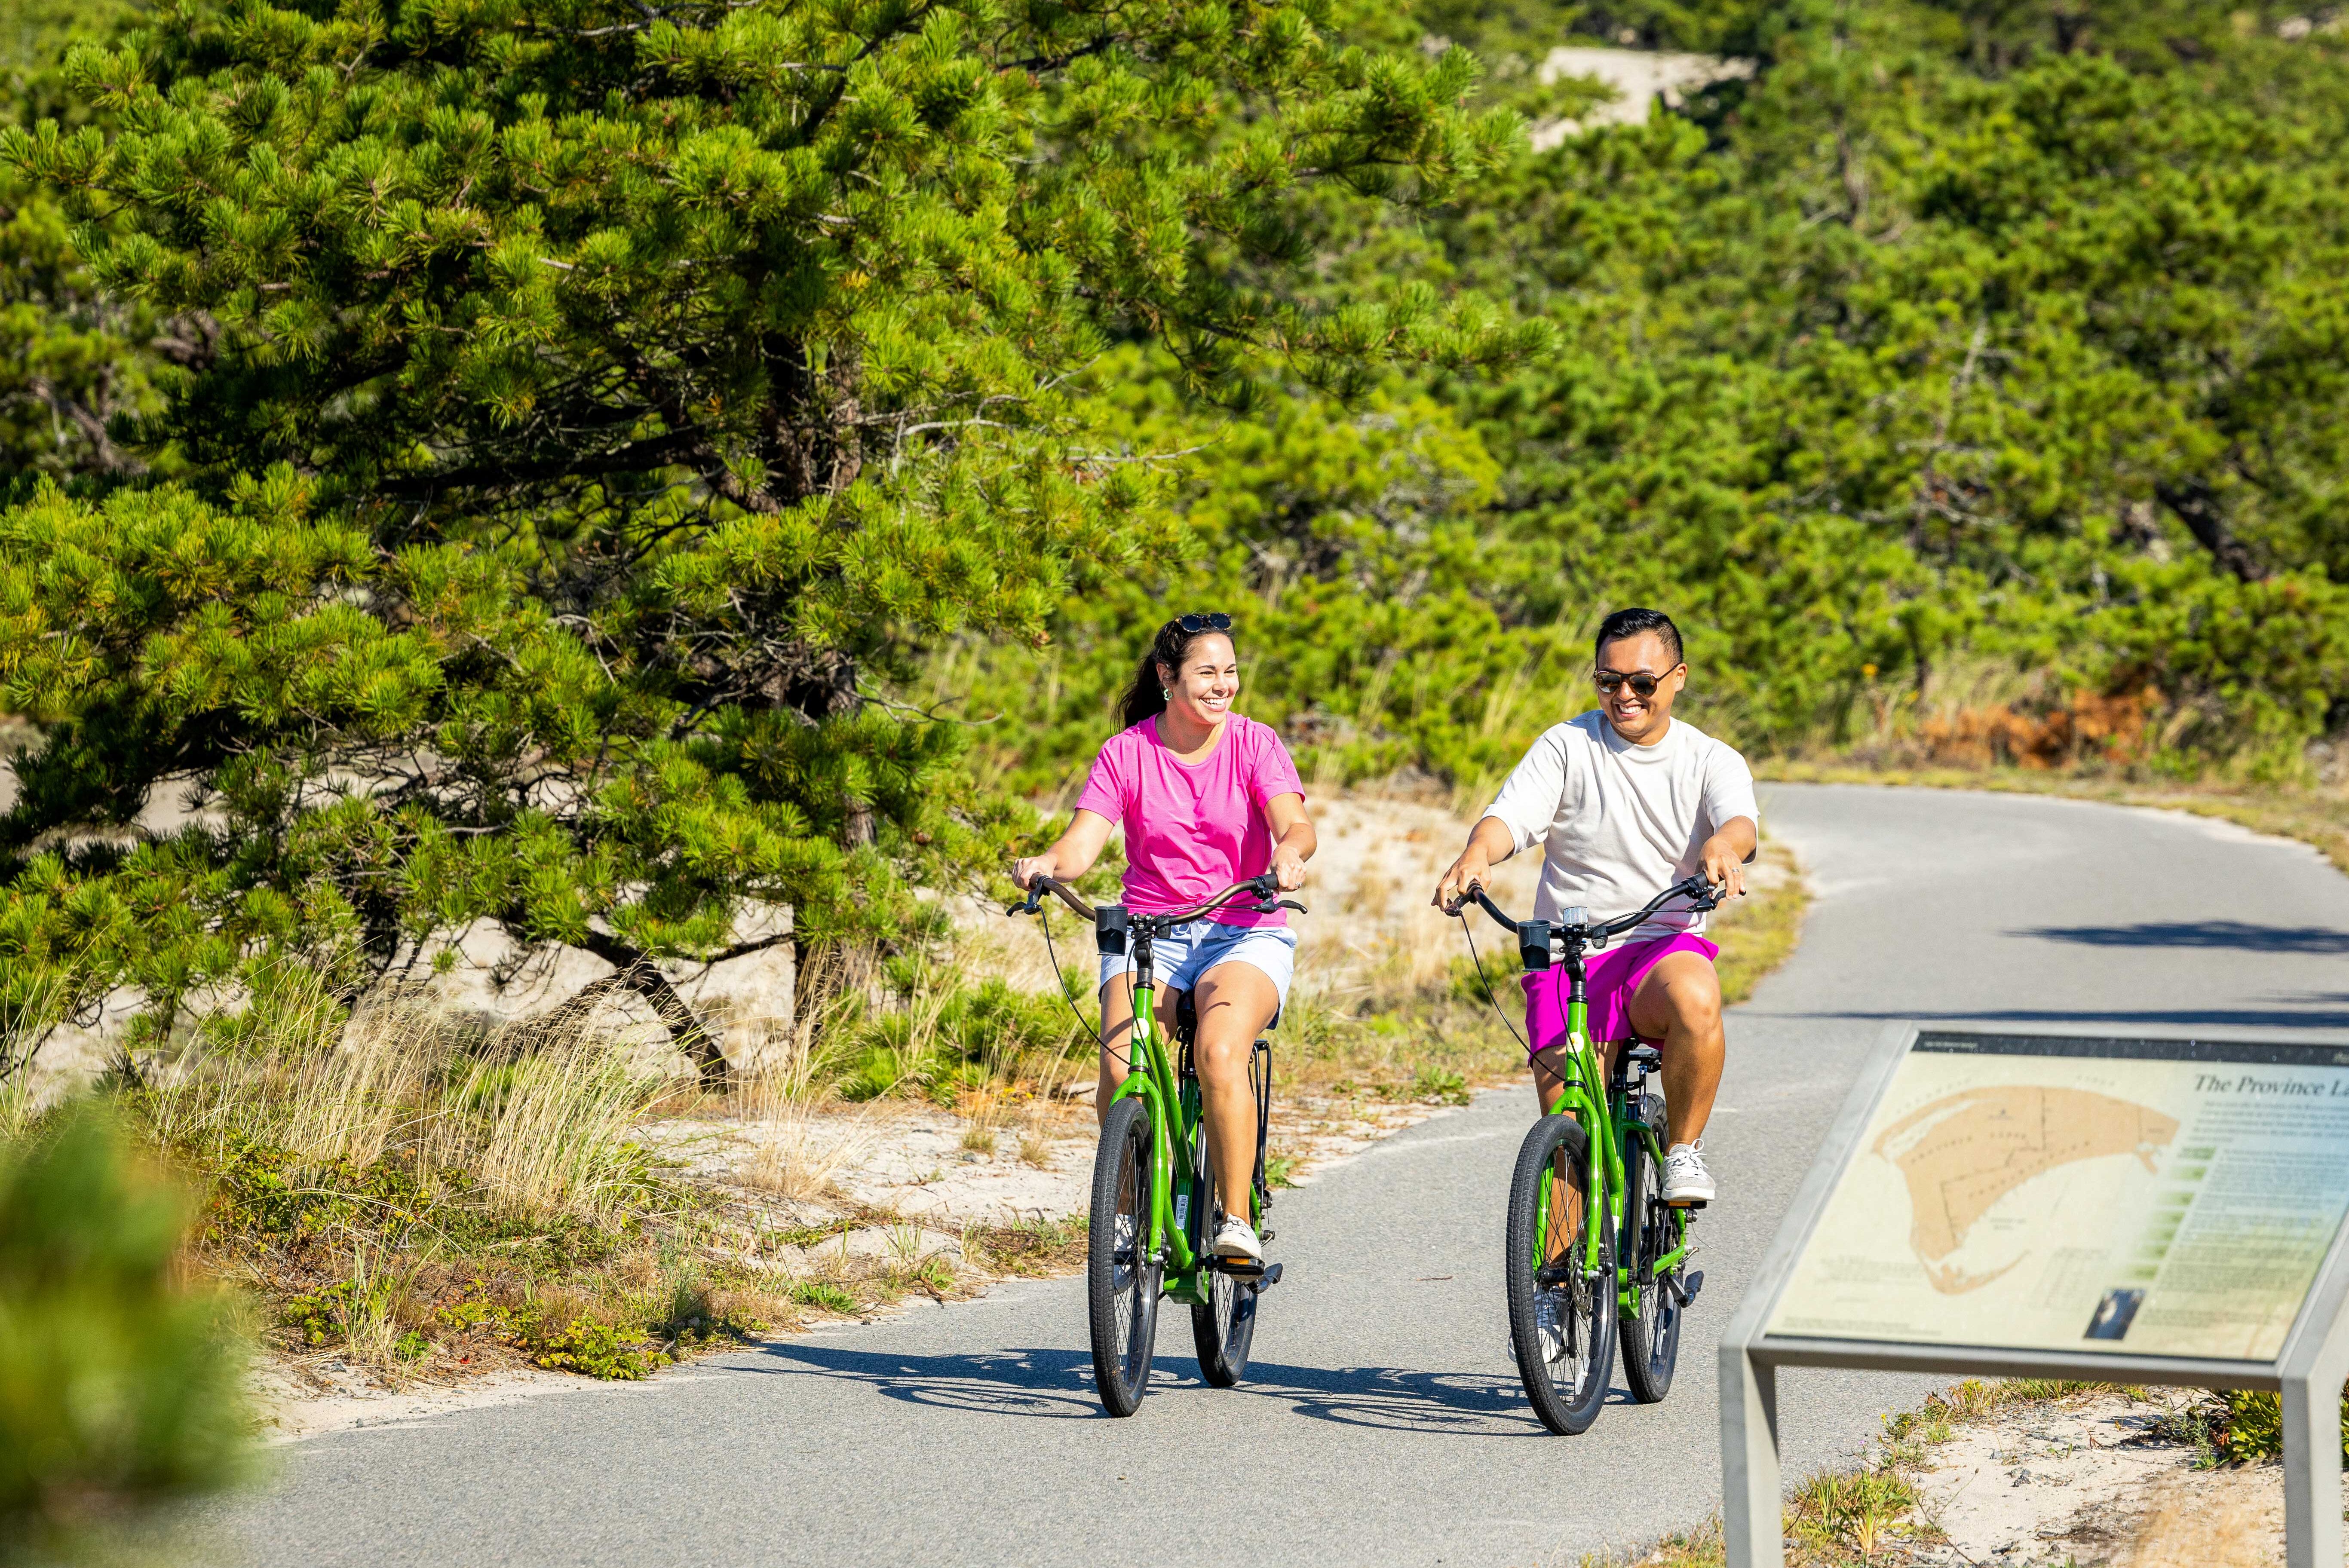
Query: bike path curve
[[1382, 1422]]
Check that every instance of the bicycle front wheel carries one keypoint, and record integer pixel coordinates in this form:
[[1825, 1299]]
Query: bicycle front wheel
[[1222, 1326], [1561, 1321], [1121, 1278], [1651, 1336]]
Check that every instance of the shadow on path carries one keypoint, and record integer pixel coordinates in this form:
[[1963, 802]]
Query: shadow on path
[[1056, 1385], [2240, 934]]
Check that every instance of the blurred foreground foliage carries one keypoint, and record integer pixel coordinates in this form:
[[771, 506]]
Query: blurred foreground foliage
[[121, 1386]]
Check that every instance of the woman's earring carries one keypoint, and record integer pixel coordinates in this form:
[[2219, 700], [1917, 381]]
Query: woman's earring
[[1166, 694]]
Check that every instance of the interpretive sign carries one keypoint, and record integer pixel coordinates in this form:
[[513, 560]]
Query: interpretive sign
[[2142, 1209], [2112, 1196]]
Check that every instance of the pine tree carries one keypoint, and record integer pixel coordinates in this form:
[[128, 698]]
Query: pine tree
[[609, 401], [71, 360]]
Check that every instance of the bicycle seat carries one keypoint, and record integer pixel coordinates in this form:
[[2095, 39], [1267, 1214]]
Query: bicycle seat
[[1646, 1055]]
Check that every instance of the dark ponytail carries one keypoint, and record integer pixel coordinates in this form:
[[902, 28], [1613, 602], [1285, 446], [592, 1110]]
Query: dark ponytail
[[1146, 698]]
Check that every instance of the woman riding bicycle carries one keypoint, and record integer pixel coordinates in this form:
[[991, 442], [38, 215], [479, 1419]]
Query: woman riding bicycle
[[1206, 798]]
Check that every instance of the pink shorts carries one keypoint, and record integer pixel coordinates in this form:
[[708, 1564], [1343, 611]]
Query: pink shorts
[[1614, 979]]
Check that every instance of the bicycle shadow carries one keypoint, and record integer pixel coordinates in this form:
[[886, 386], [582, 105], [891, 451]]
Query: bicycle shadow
[[1390, 1398], [1056, 1385]]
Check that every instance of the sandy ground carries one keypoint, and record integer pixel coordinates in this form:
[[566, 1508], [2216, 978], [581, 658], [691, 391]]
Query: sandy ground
[[330, 1396], [2093, 1480]]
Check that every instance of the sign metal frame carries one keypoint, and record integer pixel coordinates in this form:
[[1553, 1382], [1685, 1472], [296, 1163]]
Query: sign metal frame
[[2308, 1371]]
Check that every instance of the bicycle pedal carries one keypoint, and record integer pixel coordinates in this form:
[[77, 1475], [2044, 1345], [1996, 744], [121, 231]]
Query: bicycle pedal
[[1686, 1286], [1687, 1204], [1239, 1268]]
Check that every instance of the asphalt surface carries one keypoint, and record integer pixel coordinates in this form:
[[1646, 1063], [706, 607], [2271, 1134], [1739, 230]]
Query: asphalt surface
[[1381, 1420]]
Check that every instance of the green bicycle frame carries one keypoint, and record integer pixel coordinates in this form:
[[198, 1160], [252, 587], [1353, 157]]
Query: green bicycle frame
[[1582, 1094], [1174, 1113]]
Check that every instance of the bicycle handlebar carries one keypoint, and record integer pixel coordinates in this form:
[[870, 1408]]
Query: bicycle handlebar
[[1266, 889], [1042, 885], [1704, 893]]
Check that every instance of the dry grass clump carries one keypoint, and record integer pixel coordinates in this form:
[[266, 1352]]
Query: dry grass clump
[[413, 1186], [796, 1151], [536, 1121]]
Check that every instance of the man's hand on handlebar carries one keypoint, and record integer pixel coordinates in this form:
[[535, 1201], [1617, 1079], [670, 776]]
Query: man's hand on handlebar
[[1724, 866], [1468, 871], [1489, 842], [1025, 871]]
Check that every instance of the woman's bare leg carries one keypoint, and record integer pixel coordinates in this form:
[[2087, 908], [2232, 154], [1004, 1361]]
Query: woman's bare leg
[[1236, 1000], [1117, 1039]]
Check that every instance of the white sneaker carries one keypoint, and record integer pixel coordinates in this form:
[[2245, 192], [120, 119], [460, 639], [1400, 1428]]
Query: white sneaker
[[1236, 1239], [1686, 1180]]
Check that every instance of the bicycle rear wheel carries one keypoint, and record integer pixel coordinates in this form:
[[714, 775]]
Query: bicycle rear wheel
[[1122, 1279], [1561, 1322], [1223, 1325], [1651, 1336]]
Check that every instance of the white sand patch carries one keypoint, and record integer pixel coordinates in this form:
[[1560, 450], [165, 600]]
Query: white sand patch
[[298, 1401], [2091, 1481]]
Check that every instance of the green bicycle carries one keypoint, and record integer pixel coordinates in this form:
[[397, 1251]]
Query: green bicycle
[[1588, 1189], [1154, 1212]]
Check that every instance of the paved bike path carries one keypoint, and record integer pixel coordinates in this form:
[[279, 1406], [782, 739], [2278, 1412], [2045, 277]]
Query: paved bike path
[[1382, 1422]]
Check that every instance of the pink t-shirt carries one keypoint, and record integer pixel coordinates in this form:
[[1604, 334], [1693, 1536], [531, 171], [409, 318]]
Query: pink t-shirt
[[1192, 829]]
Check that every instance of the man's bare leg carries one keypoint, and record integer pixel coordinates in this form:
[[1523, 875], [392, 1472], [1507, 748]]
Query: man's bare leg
[[1680, 1004]]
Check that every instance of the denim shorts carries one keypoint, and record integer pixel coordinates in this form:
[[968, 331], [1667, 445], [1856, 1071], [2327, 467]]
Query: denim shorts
[[1178, 959]]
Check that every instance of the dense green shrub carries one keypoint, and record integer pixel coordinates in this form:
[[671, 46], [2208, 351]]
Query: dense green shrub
[[602, 410], [1952, 358]]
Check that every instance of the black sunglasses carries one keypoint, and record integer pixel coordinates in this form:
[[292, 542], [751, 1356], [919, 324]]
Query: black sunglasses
[[1215, 621], [1640, 681]]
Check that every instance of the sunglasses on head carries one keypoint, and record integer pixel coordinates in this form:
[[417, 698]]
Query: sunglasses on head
[[1641, 683], [1214, 620]]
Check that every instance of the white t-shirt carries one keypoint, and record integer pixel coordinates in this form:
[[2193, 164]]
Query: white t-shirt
[[1619, 824]]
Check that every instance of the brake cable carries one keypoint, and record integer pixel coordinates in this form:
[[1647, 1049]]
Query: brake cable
[[1060, 981], [1461, 914]]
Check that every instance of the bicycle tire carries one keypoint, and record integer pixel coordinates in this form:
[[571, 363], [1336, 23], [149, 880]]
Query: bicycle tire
[[1122, 1284], [1650, 1336], [1562, 1331], [1222, 1326]]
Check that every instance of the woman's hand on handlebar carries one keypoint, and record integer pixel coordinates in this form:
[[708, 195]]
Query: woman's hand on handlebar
[[1288, 869], [1071, 857]]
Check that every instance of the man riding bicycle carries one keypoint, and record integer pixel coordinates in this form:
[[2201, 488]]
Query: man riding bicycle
[[1625, 801], [1207, 799]]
